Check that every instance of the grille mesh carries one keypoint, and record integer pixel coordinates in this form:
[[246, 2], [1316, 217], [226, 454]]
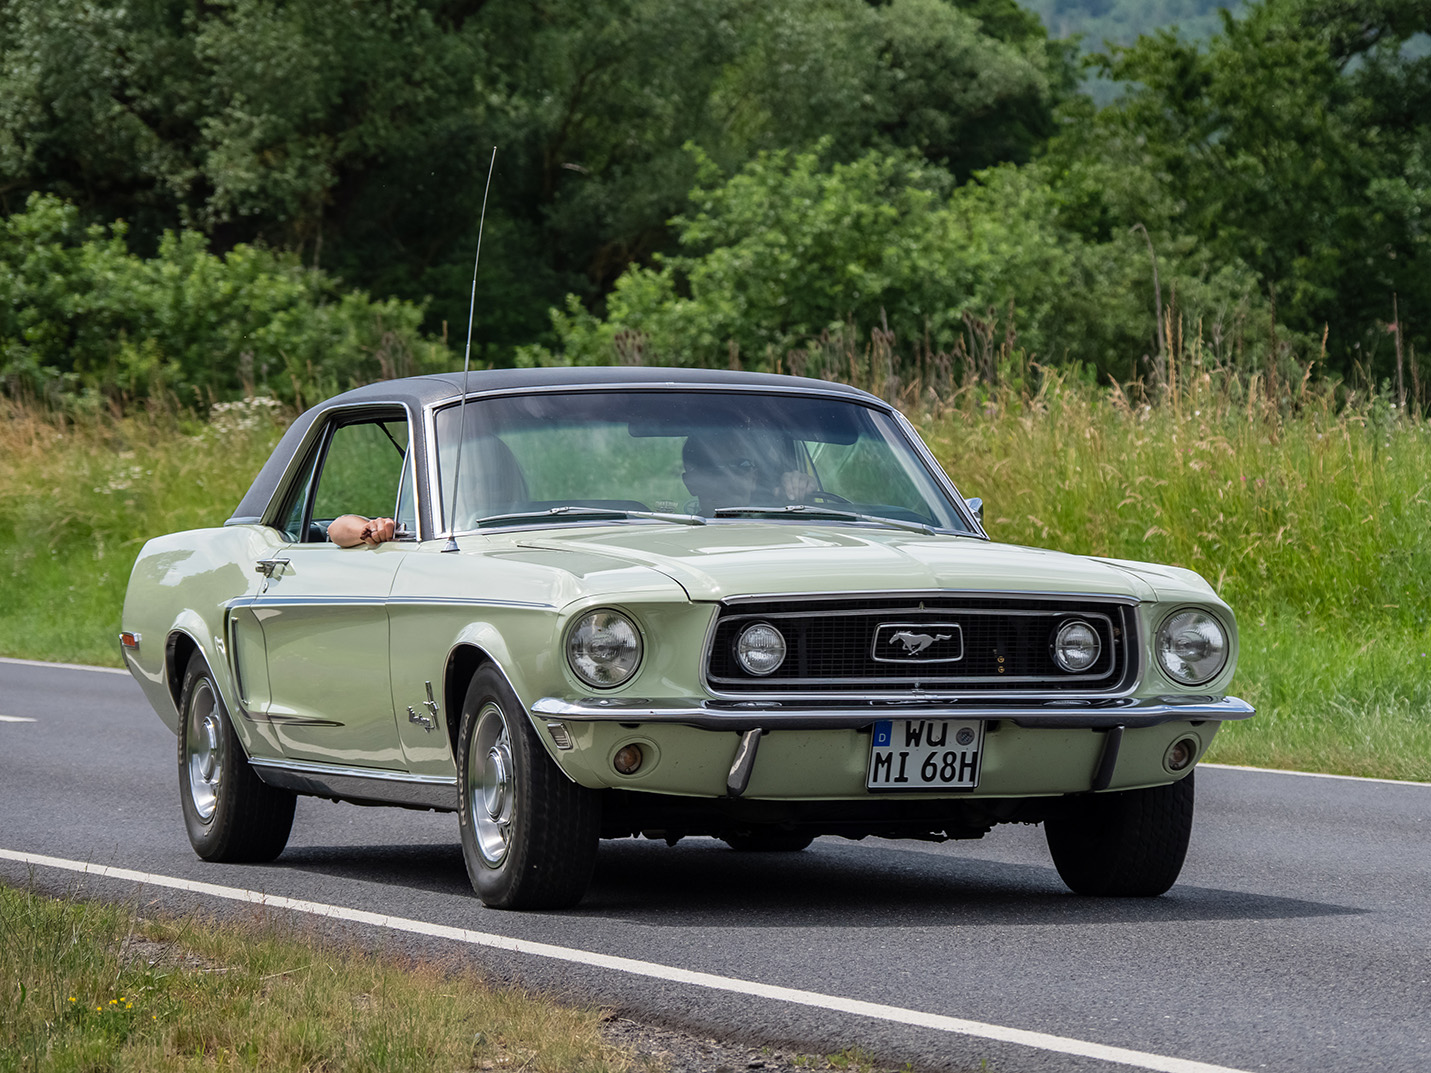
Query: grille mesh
[[950, 643]]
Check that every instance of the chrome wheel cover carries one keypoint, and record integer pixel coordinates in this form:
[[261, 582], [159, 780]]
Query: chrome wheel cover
[[491, 784], [204, 750]]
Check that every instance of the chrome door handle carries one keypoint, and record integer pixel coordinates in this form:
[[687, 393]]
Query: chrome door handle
[[268, 567]]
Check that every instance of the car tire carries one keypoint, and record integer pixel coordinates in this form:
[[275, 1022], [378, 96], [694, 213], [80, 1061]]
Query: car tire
[[529, 834], [1128, 844], [768, 840], [230, 814]]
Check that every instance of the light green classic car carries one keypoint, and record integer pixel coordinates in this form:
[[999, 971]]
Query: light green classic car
[[657, 602]]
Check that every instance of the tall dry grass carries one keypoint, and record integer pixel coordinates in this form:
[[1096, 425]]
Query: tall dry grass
[[79, 496]]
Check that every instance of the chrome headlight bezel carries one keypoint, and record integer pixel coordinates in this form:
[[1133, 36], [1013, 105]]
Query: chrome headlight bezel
[[1058, 642], [746, 648], [1176, 662], [604, 648]]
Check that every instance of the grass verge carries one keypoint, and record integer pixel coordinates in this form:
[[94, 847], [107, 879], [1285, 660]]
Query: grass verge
[[89, 986]]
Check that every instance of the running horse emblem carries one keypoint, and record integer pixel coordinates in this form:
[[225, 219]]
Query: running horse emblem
[[915, 643]]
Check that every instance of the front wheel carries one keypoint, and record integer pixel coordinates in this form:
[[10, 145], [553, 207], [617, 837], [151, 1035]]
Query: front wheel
[[231, 815], [529, 834], [1128, 844]]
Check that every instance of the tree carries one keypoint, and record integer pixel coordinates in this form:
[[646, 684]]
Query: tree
[[1297, 141]]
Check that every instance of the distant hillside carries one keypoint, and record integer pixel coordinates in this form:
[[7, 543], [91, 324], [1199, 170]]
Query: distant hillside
[[1122, 21]]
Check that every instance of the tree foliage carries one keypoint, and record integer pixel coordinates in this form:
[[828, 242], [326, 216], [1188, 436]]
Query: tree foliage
[[81, 312], [1273, 180], [910, 163], [357, 135], [1298, 141], [793, 248]]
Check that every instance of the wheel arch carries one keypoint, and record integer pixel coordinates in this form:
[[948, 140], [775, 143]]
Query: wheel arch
[[179, 648], [464, 661]]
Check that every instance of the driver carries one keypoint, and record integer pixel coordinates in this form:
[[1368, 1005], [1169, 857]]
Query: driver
[[734, 468], [350, 530]]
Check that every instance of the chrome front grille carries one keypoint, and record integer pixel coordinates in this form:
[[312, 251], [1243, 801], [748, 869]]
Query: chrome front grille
[[936, 643]]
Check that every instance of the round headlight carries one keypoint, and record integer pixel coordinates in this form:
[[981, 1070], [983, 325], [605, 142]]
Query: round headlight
[[1076, 646], [760, 649], [1191, 647], [603, 648]]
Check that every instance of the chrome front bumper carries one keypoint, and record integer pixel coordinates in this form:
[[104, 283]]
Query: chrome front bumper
[[1128, 712]]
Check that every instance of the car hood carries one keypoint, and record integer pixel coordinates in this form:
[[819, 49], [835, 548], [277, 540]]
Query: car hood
[[713, 562]]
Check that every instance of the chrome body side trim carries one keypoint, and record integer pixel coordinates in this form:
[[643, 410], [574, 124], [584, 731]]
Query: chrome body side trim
[[271, 600], [363, 785], [1056, 712]]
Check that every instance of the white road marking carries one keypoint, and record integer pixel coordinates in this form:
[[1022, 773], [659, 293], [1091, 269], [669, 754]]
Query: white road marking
[[896, 1014], [14, 719], [62, 666], [1315, 775]]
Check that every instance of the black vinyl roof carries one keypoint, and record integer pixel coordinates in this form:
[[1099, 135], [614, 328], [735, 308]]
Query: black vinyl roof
[[415, 393]]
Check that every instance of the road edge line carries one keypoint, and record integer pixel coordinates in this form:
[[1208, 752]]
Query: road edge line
[[896, 1014], [1316, 775], [62, 666]]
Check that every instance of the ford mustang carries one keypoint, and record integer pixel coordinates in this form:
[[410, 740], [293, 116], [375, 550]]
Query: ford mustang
[[665, 603]]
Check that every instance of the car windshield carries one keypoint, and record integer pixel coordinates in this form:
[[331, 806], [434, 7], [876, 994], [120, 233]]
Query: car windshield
[[698, 454]]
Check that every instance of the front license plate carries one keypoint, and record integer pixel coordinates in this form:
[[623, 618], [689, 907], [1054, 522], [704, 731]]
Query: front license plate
[[925, 754]]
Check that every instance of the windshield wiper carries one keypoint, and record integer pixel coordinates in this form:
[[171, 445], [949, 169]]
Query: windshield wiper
[[806, 511], [581, 513]]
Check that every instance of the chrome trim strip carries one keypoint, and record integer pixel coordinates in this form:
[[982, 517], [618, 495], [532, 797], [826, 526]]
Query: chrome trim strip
[[706, 715], [288, 720], [383, 601], [467, 601], [956, 689], [308, 600], [318, 428], [816, 390], [437, 792], [938, 594]]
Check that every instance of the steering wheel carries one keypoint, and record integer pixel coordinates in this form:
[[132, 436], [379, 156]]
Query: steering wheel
[[819, 495]]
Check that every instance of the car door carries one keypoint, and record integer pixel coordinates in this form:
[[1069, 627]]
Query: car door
[[323, 610]]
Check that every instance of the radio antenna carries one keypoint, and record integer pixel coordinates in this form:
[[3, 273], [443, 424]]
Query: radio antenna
[[451, 544]]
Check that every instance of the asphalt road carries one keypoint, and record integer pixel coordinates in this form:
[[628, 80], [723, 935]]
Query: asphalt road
[[1299, 937]]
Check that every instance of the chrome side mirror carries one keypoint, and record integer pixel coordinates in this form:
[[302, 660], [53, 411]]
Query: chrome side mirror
[[976, 505]]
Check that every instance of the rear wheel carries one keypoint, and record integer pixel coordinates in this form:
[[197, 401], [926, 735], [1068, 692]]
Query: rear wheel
[[1129, 844], [229, 813], [529, 834]]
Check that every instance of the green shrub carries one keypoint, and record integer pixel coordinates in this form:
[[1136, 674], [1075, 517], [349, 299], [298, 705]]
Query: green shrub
[[792, 249], [80, 313]]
